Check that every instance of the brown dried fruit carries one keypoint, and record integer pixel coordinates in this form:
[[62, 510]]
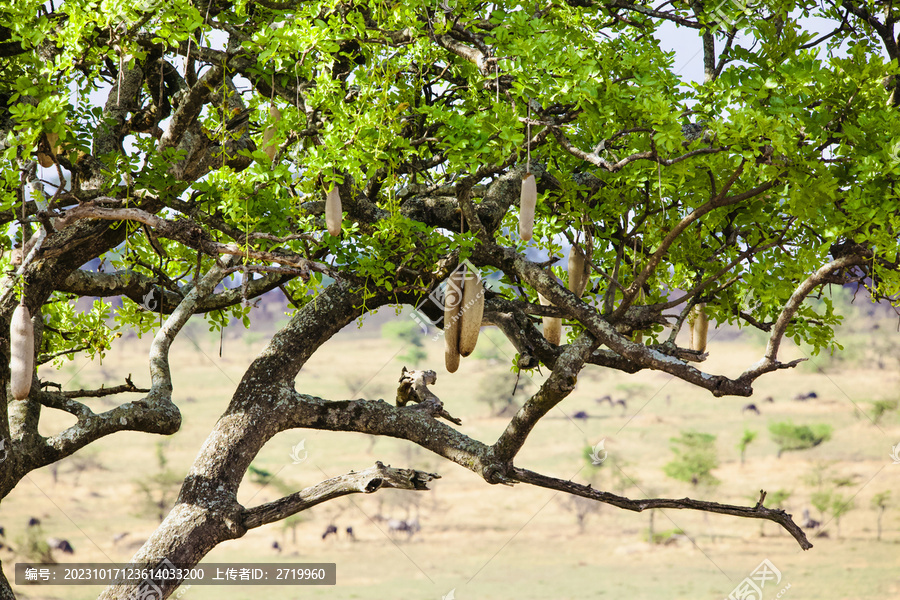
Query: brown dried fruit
[[452, 302], [471, 313], [578, 271]]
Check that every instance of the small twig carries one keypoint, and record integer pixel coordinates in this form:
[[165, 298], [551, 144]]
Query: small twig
[[128, 386]]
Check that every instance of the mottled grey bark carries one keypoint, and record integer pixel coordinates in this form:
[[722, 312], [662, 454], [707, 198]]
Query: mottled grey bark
[[206, 512]]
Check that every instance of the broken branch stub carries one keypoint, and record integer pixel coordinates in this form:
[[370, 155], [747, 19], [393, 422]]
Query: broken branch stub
[[414, 388]]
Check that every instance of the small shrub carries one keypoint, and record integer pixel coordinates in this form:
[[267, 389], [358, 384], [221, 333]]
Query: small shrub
[[791, 437], [695, 458]]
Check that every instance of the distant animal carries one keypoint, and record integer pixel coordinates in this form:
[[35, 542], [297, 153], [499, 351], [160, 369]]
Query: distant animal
[[410, 527], [621, 402], [809, 522], [581, 415], [329, 530], [276, 546], [751, 408], [768, 399], [34, 522], [803, 397], [606, 398], [61, 545], [2, 532], [350, 534]]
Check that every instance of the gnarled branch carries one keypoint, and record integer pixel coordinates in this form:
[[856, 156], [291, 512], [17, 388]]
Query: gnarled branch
[[585, 491], [363, 482]]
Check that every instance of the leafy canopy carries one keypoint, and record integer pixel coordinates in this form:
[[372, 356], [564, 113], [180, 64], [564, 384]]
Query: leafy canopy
[[734, 189]]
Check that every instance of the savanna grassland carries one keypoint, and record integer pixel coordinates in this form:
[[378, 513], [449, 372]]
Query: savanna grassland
[[496, 542]]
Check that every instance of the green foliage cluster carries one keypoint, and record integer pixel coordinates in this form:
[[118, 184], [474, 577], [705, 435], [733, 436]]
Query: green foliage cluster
[[790, 437], [746, 439], [882, 407], [398, 121], [500, 390], [777, 499], [408, 334], [695, 458]]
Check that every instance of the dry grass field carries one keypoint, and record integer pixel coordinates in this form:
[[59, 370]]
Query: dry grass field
[[497, 542]]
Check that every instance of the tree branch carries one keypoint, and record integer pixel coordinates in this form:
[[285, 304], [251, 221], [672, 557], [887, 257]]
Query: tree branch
[[650, 155], [414, 388], [364, 482], [754, 512], [650, 12], [190, 234], [718, 201], [553, 391], [769, 361], [190, 107], [509, 261], [128, 386], [137, 286], [155, 413]]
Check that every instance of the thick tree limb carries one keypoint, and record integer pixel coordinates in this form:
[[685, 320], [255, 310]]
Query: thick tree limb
[[508, 260], [553, 391], [363, 482], [63, 403], [138, 287], [190, 107], [155, 413], [188, 233], [473, 55], [408, 423], [207, 511], [531, 344], [122, 98]]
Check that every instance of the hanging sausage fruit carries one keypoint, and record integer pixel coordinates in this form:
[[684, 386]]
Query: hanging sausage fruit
[[471, 313], [21, 350], [699, 323], [528, 198], [578, 271], [552, 325], [526, 207], [333, 211], [453, 296], [269, 146]]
